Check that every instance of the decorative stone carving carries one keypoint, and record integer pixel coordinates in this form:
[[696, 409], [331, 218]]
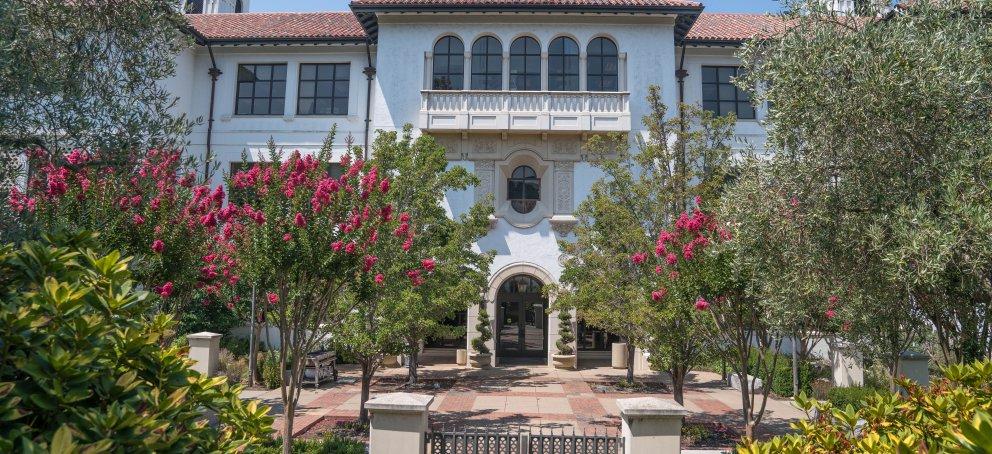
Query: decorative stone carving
[[485, 171], [526, 142], [484, 146], [565, 146], [563, 225], [564, 172]]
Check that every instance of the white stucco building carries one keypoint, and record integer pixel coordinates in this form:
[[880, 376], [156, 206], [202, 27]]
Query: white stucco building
[[511, 88]]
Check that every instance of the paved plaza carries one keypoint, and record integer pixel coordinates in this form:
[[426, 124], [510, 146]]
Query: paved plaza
[[520, 396]]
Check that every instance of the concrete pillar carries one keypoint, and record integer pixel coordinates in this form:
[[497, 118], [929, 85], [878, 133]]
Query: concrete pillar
[[467, 72], [428, 70], [582, 71], [204, 348], [651, 425], [544, 71], [506, 70], [398, 423]]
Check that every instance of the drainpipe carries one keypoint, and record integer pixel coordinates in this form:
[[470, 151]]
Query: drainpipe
[[681, 74], [214, 73], [369, 76]]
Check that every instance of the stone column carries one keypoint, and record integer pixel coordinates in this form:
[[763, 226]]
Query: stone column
[[583, 61], [467, 70], [651, 425], [428, 70], [622, 71], [204, 348], [398, 423], [506, 70], [544, 71]]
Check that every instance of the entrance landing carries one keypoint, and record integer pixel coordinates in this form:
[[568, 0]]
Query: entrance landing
[[521, 396]]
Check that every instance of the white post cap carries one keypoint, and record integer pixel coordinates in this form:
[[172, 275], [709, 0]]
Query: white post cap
[[400, 402], [647, 407]]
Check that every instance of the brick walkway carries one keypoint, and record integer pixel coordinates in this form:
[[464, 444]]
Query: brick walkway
[[514, 396]]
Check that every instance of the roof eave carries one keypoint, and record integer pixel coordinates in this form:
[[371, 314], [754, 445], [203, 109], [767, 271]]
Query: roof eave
[[282, 41], [686, 16]]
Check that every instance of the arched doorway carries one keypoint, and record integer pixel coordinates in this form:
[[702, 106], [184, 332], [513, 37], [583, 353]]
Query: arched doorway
[[521, 320]]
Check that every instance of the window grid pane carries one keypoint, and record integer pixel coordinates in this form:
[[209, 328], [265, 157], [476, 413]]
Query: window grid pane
[[261, 89], [487, 64], [602, 65], [323, 89], [721, 96], [525, 64], [563, 65], [449, 64]]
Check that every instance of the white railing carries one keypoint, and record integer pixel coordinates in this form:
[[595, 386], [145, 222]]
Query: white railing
[[483, 101]]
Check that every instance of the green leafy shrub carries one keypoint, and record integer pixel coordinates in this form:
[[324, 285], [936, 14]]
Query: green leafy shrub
[[272, 370], [565, 336], [782, 375], [331, 444], [853, 396], [83, 367], [485, 332], [951, 415], [238, 346], [234, 368]]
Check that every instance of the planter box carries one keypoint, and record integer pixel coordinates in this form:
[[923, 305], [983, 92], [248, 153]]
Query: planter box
[[564, 361], [480, 360]]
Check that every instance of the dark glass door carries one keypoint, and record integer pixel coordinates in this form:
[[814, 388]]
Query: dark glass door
[[522, 321]]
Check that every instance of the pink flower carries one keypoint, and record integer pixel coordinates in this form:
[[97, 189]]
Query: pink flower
[[350, 247], [407, 244], [288, 193], [428, 264], [687, 252], [658, 269], [370, 261], [384, 185], [830, 314], [833, 299], [673, 275], [698, 200], [794, 201], [84, 184], [665, 236], [76, 157], [165, 290], [404, 217], [638, 258], [657, 295], [299, 220], [137, 219], [379, 278], [208, 220], [272, 298], [158, 246], [230, 306], [287, 237], [336, 246], [702, 304], [671, 258]]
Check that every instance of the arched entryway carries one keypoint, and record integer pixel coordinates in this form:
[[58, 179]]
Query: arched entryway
[[521, 320]]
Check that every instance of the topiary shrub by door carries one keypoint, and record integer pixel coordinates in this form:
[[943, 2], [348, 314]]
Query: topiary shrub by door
[[481, 355], [565, 359]]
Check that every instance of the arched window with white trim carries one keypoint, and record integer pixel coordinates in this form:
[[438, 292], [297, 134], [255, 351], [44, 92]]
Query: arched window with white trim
[[525, 64], [563, 64], [487, 64], [449, 64], [602, 65]]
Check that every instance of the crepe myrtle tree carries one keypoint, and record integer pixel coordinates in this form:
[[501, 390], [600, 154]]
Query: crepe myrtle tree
[[307, 238], [694, 266], [421, 178], [641, 193], [901, 154], [152, 210]]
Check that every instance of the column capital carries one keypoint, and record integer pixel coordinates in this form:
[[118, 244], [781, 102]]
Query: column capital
[[399, 403], [650, 407]]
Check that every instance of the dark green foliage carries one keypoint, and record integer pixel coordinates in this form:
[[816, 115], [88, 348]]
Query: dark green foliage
[[272, 370], [332, 444], [565, 336], [82, 365], [782, 375], [854, 396], [485, 332], [238, 346]]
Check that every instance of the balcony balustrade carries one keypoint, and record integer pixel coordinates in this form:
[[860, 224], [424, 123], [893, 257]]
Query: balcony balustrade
[[524, 111]]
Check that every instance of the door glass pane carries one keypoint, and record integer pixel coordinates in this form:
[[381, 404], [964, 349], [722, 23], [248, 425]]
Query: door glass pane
[[533, 340], [509, 333]]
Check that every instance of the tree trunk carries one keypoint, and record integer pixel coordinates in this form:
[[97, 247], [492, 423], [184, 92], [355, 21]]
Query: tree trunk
[[630, 362], [253, 377], [363, 413], [678, 384], [746, 404], [411, 377], [795, 368], [287, 428]]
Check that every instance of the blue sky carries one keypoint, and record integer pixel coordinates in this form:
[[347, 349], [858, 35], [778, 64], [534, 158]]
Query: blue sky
[[754, 6]]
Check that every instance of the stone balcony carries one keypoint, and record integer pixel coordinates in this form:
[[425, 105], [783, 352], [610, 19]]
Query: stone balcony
[[524, 111]]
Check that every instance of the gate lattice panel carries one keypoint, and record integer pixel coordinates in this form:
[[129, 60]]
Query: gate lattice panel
[[522, 441]]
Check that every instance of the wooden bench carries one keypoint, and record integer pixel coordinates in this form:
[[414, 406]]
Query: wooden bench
[[320, 366]]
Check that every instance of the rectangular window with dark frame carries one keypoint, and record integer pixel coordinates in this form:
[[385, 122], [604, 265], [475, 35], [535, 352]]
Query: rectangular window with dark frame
[[261, 89], [323, 89], [721, 96]]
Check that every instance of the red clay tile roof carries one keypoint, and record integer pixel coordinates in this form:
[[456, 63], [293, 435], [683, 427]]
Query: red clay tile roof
[[528, 3], [339, 26], [732, 27]]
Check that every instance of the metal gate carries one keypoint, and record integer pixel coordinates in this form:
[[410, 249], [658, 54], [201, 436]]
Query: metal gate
[[522, 441]]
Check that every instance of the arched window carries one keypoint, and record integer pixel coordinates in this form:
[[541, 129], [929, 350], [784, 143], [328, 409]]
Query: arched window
[[525, 64], [238, 6], [487, 64], [523, 189], [521, 284], [602, 66], [449, 64], [563, 64]]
